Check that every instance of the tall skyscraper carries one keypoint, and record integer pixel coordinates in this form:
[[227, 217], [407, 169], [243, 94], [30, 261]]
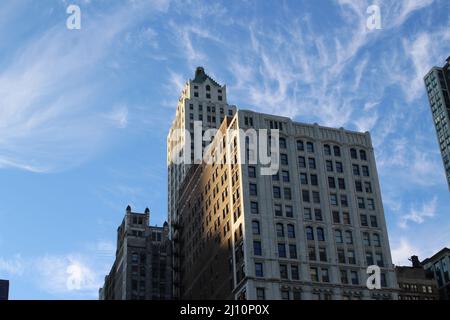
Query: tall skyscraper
[[143, 266], [307, 232], [437, 82], [202, 99]]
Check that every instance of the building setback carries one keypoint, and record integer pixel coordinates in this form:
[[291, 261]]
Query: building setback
[[143, 265], [4, 289], [437, 82], [415, 283], [439, 266], [308, 232]]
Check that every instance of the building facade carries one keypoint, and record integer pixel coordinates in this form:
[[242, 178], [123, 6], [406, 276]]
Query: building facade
[[438, 265], [415, 283], [307, 232], [437, 82], [4, 289], [142, 269], [202, 99]]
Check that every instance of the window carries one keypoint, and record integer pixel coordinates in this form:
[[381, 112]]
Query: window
[[291, 231], [338, 236], [280, 230], [253, 189], [294, 273], [251, 172], [314, 181], [284, 294], [341, 255], [337, 151], [351, 257], [344, 201], [314, 274], [339, 167], [316, 197], [276, 192], [303, 178], [260, 294], [312, 253], [327, 150], [310, 147], [287, 193], [276, 177], [300, 145], [364, 221], [285, 175], [367, 187], [373, 222], [323, 254], [370, 204], [336, 217], [333, 199], [278, 210], [362, 155], [354, 277], [376, 240], [346, 218], [379, 259], [255, 227], [312, 163], [305, 195], [325, 275], [361, 203], [329, 165], [281, 250], [289, 211], [365, 171], [366, 239], [297, 295], [320, 234], [283, 271], [383, 281], [369, 258], [355, 169], [301, 162], [292, 251], [353, 154], [309, 233], [348, 237], [254, 207], [318, 214], [341, 183], [358, 186], [331, 182], [259, 272], [257, 249], [284, 159], [307, 213], [282, 143], [344, 278]]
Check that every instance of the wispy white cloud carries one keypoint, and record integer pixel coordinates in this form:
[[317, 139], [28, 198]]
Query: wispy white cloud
[[419, 215], [402, 251], [13, 266]]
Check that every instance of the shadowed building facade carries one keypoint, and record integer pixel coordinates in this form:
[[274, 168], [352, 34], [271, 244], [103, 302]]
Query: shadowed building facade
[[142, 269], [437, 83], [4, 289], [307, 232], [439, 266]]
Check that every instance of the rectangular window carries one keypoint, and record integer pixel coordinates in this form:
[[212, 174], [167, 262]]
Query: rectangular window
[[303, 178], [294, 272], [284, 159], [285, 175], [325, 275], [289, 211], [283, 271], [370, 204], [312, 253], [329, 165], [341, 255], [351, 257], [287, 193], [331, 183], [257, 249], [314, 181], [358, 186], [307, 213], [323, 254], [361, 203], [355, 169], [364, 221], [314, 274], [254, 207], [300, 145], [346, 218], [354, 277], [341, 183], [260, 294], [365, 171], [316, 197], [339, 167], [278, 210], [305, 195], [310, 147], [367, 187], [333, 199], [292, 251], [253, 189], [284, 294], [344, 277], [344, 201], [318, 214], [336, 217], [301, 162], [259, 272], [276, 192], [251, 172], [373, 221], [281, 250], [312, 163]]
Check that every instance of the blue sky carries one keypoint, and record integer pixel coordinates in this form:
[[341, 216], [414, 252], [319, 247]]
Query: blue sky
[[84, 113]]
